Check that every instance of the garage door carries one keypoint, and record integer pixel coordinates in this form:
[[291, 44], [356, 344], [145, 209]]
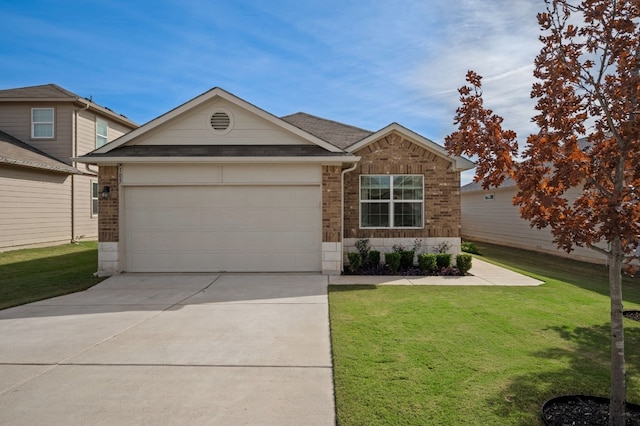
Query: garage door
[[222, 228]]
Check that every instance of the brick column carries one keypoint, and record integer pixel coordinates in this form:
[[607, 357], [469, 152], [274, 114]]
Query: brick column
[[108, 222], [331, 220]]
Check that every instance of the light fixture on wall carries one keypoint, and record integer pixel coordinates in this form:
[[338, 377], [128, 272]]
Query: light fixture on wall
[[105, 192]]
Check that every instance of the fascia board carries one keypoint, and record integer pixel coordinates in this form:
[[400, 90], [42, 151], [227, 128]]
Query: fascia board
[[164, 160]]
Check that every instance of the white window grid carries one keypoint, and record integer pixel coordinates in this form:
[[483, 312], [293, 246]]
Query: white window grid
[[39, 123], [391, 203]]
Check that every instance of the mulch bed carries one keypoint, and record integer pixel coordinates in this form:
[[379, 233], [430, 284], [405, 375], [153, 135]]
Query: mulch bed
[[632, 315], [580, 410], [410, 272]]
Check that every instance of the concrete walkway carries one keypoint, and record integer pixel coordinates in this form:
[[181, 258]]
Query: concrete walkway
[[483, 273], [171, 349]]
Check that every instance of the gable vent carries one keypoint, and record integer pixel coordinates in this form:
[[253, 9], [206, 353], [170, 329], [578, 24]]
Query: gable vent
[[220, 121]]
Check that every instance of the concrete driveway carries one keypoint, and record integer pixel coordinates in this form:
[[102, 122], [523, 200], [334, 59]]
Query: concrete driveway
[[236, 349]]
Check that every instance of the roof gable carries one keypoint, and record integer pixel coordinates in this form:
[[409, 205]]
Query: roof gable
[[192, 115], [459, 163], [17, 153]]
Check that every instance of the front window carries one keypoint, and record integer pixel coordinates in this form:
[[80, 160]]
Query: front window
[[102, 132], [94, 198], [391, 201], [42, 123]]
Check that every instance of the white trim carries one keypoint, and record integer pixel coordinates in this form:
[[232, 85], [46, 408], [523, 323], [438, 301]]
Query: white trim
[[391, 202], [96, 198], [52, 122], [328, 160], [460, 164], [205, 97], [98, 135]]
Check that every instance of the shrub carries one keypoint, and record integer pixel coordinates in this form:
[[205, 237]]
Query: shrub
[[397, 248], [393, 261], [463, 262], [469, 247], [427, 262], [443, 260], [362, 245], [354, 261], [374, 257], [406, 259]]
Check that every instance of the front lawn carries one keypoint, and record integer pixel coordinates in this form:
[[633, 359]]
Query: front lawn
[[477, 355], [34, 274]]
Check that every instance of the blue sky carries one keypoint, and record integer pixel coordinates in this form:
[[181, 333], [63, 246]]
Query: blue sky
[[363, 62]]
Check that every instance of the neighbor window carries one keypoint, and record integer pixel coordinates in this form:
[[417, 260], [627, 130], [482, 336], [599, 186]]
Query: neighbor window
[[42, 123], [391, 201], [102, 132], [94, 198]]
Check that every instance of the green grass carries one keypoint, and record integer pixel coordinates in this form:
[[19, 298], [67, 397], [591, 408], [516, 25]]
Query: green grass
[[477, 355], [35, 274]]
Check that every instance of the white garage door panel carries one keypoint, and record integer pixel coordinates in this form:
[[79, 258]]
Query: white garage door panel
[[206, 229]]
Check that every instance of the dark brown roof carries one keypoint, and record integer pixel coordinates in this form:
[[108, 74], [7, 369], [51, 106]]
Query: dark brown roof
[[216, 151], [338, 134], [15, 152]]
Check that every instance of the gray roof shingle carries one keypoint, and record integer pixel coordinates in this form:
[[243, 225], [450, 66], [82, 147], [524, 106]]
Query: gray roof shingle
[[17, 153], [216, 151], [338, 134]]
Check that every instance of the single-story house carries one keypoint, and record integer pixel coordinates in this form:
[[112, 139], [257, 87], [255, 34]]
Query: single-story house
[[218, 184], [490, 216]]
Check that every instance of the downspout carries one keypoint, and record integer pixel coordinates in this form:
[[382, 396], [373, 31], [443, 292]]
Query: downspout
[[350, 169], [74, 154]]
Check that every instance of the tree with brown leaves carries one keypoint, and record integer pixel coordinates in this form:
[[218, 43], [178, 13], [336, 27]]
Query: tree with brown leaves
[[587, 88]]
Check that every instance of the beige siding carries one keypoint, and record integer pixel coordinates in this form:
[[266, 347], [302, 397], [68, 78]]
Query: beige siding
[[15, 119], [87, 130], [85, 225], [34, 208], [194, 129], [498, 221]]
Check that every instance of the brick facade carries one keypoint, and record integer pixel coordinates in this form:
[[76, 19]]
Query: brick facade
[[395, 154], [108, 207], [331, 203]]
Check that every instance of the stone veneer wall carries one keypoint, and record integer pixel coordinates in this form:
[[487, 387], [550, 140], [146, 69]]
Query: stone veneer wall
[[331, 219], [108, 222], [396, 155]]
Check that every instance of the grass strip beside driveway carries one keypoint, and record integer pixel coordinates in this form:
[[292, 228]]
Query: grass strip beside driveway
[[477, 355], [35, 274]]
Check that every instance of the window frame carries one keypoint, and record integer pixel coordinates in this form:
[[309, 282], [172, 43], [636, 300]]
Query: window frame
[[52, 123], [98, 135], [95, 198], [390, 202]]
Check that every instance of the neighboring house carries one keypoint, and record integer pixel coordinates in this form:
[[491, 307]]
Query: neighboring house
[[218, 184], [490, 216], [45, 197]]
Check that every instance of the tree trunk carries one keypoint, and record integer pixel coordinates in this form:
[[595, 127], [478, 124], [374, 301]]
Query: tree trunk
[[618, 374]]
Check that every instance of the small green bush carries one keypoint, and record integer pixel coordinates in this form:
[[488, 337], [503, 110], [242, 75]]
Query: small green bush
[[443, 260], [362, 245], [427, 262], [463, 262], [469, 247], [374, 257], [406, 259], [393, 261], [355, 260]]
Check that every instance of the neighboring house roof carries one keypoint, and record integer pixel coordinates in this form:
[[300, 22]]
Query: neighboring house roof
[[55, 93], [17, 153], [477, 186], [338, 134]]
